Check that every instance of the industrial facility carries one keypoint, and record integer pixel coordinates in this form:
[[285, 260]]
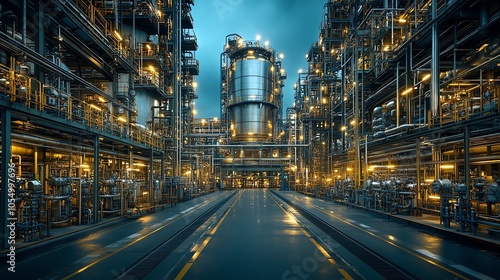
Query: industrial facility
[[396, 113]]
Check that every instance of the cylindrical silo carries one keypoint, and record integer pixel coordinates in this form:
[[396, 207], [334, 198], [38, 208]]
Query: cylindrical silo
[[251, 87]]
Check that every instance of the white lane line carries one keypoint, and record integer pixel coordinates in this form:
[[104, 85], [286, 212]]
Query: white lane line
[[85, 259], [462, 268], [430, 255], [363, 225], [189, 209], [157, 225], [351, 221], [171, 218], [472, 272], [122, 241]]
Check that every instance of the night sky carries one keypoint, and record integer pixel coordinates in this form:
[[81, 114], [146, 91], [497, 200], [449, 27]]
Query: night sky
[[290, 26]]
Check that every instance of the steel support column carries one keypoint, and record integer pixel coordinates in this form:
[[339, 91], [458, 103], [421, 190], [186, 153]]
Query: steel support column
[[96, 179], [467, 162], [435, 66], [4, 198]]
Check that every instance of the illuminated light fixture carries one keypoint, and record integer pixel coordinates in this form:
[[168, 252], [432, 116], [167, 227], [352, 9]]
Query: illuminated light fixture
[[83, 165], [132, 169], [250, 52], [139, 164], [353, 122], [300, 71], [151, 68], [266, 43], [102, 99], [148, 47], [194, 112], [406, 91], [387, 48], [250, 133], [460, 84], [429, 180], [281, 55], [482, 47], [159, 13], [195, 84], [447, 166], [95, 107], [118, 36], [426, 77], [402, 20], [434, 197], [122, 119], [258, 37]]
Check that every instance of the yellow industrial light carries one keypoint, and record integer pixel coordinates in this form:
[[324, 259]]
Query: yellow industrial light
[[482, 47], [122, 119], [460, 84], [118, 36], [95, 107], [447, 166], [426, 77], [402, 20], [406, 91]]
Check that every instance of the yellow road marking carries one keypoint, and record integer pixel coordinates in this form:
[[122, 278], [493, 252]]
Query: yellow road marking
[[345, 274], [130, 244], [318, 246], [188, 265], [391, 243]]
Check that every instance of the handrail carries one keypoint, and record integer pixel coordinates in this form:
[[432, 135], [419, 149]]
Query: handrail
[[32, 94]]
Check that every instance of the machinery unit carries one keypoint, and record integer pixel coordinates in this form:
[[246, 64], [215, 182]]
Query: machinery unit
[[254, 81]]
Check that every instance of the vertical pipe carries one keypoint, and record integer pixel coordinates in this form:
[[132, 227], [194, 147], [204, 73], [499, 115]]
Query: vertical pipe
[[5, 218], [356, 114], [467, 162], [96, 179], [435, 65], [419, 178], [24, 22], [150, 176], [398, 107], [177, 28]]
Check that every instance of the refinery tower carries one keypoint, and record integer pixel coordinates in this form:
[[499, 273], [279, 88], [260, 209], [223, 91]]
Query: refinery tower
[[251, 114]]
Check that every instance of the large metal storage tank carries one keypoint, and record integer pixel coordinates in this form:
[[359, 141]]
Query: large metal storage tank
[[251, 84]]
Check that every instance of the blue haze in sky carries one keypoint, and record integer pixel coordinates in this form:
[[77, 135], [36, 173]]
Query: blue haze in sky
[[290, 26]]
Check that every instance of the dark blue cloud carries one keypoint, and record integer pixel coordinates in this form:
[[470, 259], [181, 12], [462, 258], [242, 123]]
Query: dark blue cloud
[[290, 26]]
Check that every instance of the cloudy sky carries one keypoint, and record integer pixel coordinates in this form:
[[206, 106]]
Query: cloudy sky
[[290, 26]]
